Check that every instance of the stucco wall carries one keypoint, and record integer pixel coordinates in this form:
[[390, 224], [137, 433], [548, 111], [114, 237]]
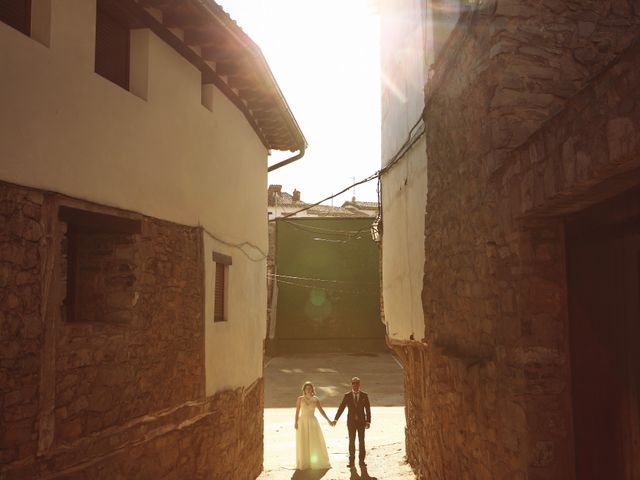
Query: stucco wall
[[159, 152], [404, 187], [233, 356], [403, 201], [403, 77]]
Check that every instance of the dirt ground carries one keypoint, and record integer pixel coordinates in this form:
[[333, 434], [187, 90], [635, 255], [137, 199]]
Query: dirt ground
[[381, 378]]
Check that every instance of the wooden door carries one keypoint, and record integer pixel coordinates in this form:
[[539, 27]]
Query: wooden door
[[603, 252]]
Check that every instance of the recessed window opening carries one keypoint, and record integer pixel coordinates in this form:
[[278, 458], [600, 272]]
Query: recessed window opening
[[220, 293], [112, 46], [100, 263], [17, 14], [207, 96]]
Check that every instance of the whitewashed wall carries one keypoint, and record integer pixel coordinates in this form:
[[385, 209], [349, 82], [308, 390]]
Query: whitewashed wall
[[155, 150]]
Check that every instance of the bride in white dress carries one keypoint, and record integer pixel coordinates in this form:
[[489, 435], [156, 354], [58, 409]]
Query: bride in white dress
[[311, 450]]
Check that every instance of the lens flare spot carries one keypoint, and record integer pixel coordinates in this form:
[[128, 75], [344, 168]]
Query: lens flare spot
[[317, 297], [314, 458]]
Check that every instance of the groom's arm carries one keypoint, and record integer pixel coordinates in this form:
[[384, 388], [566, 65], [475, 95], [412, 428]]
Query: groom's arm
[[341, 408], [367, 408]]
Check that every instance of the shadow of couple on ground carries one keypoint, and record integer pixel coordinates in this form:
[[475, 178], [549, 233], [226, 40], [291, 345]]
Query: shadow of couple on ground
[[318, 474]]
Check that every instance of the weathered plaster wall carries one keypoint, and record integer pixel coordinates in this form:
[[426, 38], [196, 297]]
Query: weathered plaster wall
[[403, 66], [404, 193], [404, 187], [529, 116], [117, 398], [159, 151], [234, 349]]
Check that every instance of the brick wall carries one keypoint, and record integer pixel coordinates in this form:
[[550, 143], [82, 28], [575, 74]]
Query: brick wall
[[518, 83], [117, 391]]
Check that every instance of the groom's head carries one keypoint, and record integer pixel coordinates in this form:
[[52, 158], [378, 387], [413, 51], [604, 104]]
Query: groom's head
[[355, 384]]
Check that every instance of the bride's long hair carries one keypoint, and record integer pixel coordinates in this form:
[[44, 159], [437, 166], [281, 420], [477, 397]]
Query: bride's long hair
[[313, 390]]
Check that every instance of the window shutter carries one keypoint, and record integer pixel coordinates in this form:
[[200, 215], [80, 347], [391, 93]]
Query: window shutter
[[16, 13], [218, 301], [112, 48]]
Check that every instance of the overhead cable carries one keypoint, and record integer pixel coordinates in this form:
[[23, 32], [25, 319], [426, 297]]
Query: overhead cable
[[240, 246], [319, 279], [333, 289], [412, 138]]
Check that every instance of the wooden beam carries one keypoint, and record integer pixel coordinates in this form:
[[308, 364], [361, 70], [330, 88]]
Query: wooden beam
[[98, 222], [182, 17], [157, 3], [216, 53], [203, 36]]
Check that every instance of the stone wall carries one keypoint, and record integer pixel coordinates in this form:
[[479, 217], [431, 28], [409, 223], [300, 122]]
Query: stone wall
[[115, 391], [21, 326], [518, 83]]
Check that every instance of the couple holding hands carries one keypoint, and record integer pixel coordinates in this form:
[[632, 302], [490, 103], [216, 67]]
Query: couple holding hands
[[311, 449]]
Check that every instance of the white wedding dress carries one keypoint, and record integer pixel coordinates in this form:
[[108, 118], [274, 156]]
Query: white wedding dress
[[311, 450]]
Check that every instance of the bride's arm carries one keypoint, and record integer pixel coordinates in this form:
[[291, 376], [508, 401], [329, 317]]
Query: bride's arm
[[320, 409], [297, 412]]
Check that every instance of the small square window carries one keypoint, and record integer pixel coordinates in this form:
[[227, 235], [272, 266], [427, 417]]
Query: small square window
[[220, 294]]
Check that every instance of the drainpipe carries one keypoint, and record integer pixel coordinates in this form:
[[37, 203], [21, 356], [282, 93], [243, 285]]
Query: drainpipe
[[297, 156]]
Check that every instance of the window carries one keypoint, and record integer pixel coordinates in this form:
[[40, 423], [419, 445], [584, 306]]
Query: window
[[207, 96], [220, 287], [112, 45], [100, 266], [16, 13]]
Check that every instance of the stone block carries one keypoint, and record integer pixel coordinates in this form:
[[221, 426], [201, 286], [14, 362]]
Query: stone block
[[513, 98], [16, 433], [621, 138], [515, 8], [569, 162], [543, 453], [585, 29]]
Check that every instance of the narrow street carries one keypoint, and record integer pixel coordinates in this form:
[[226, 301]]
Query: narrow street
[[331, 373], [199, 197]]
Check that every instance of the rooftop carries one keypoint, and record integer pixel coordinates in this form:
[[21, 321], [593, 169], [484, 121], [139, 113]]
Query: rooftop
[[276, 197]]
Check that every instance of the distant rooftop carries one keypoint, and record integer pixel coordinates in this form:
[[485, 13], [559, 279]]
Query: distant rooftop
[[291, 202]]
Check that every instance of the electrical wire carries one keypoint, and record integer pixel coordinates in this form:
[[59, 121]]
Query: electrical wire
[[240, 246], [332, 289], [328, 231], [350, 234], [291, 277], [406, 146], [307, 207]]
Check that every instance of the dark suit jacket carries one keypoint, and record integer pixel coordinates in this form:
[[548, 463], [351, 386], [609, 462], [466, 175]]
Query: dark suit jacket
[[357, 415]]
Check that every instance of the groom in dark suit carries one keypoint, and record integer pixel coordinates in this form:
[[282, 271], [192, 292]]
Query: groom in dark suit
[[358, 419]]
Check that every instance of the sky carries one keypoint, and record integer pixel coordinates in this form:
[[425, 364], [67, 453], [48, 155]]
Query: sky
[[325, 57]]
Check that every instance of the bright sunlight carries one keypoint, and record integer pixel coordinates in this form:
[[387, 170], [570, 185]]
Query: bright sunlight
[[325, 57]]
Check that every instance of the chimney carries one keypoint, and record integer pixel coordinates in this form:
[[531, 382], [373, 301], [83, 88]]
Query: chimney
[[273, 192], [296, 195]]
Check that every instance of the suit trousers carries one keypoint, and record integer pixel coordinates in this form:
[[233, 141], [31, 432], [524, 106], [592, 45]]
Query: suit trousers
[[359, 429]]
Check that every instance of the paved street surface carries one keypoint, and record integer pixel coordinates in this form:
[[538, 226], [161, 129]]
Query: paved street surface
[[331, 373]]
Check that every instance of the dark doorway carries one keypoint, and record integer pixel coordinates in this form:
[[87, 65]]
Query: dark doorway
[[603, 254]]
